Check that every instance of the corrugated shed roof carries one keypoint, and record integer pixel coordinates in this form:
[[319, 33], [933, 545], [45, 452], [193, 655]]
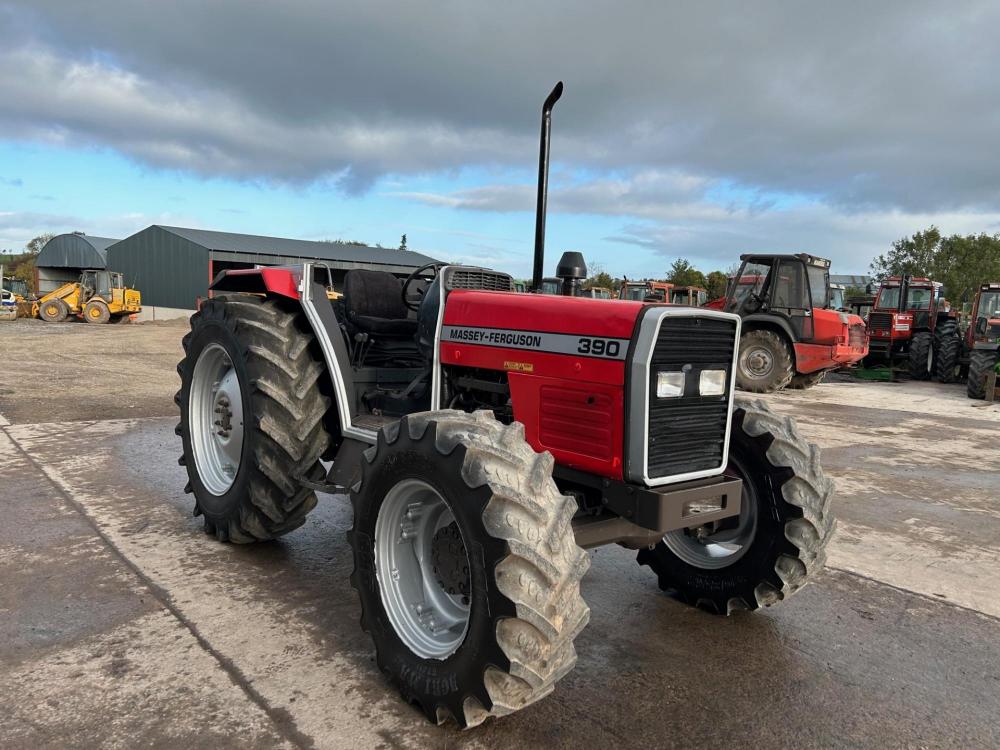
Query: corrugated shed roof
[[849, 280], [334, 251], [74, 250]]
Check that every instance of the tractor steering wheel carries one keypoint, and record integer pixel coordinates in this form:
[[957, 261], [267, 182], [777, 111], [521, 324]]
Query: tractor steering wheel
[[753, 303], [414, 303]]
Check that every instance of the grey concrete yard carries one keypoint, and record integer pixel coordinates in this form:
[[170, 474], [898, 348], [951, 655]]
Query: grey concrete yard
[[122, 625]]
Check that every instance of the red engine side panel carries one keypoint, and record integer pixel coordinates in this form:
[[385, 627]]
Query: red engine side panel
[[543, 312], [571, 403]]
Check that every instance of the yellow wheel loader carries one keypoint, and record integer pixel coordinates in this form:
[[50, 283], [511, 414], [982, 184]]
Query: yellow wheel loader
[[98, 297]]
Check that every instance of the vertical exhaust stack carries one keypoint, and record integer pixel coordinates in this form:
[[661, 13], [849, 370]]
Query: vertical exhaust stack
[[543, 186], [904, 292]]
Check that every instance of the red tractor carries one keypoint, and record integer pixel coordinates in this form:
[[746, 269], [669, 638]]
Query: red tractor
[[790, 337], [982, 339], [910, 321], [486, 439]]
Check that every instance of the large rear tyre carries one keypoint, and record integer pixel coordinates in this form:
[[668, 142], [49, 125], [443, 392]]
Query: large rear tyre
[[948, 350], [765, 362], [252, 416], [53, 311], [981, 361], [922, 355], [466, 565], [801, 381], [776, 544], [96, 311]]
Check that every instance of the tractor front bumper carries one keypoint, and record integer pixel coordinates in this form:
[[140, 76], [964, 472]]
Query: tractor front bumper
[[637, 516]]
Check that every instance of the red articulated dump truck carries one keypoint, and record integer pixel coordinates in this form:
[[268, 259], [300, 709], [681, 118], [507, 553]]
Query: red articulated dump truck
[[485, 439]]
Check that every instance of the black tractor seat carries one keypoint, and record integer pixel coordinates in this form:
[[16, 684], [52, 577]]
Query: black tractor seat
[[374, 304]]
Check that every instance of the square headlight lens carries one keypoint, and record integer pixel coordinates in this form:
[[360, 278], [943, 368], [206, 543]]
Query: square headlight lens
[[712, 382], [669, 384]]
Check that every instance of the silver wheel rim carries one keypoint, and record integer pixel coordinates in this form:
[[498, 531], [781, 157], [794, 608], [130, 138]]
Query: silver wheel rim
[[710, 547], [216, 419], [426, 604], [930, 358], [757, 362]]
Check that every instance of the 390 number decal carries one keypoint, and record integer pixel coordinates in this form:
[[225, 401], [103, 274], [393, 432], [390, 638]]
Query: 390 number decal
[[599, 347]]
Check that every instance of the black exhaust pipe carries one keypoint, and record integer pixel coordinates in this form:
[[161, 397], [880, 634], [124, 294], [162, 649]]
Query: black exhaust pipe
[[543, 186], [904, 292]]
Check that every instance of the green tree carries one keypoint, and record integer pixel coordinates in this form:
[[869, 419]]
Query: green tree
[[402, 242], [914, 256], [963, 263], [716, 283], [602, 278], [682, 273]]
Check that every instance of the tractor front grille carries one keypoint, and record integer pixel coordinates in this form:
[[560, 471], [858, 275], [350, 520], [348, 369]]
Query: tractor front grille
[[880, 324], [688, 434], [479, 279]]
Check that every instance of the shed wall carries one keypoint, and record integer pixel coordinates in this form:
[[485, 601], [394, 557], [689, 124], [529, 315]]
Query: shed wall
[[168, 270]]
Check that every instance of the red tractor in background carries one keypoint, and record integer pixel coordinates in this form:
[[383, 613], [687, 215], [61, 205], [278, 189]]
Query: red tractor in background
[[912, 322], [790, 338], [486, 439], [982, 339]]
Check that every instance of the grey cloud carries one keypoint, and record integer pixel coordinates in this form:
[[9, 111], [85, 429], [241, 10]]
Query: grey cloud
[[863, 105]]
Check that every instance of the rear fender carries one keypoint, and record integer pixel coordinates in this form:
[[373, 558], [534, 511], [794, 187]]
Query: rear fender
[[281, 281]]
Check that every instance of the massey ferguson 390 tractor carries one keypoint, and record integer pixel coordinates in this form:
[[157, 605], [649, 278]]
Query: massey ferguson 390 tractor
[[486, 439], [790, 337]]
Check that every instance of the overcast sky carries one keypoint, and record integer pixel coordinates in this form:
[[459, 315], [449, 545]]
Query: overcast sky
[[698, 130]]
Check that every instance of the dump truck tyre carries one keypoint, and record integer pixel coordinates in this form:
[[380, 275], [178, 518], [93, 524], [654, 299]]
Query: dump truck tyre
[[786, 514], [96, 311], [980, 363], [486, 492], [53, 311], [922, 356], [948, 347], [801, 381], [765, 362], [280, 406]]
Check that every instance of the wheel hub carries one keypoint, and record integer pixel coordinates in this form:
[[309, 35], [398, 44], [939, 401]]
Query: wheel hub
[[717, 545], [216, 419], [451, 565], [758, 362], [423, 571]]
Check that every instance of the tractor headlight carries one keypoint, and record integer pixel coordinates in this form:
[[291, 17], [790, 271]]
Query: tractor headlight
[[669, 384], [712, 382]]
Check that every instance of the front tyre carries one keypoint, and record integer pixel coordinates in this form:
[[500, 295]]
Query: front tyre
[[776, 544], [948, 342], [922, 356], [252, 416], [765, 362], [466, 565], [981, 361], [53, 311]]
